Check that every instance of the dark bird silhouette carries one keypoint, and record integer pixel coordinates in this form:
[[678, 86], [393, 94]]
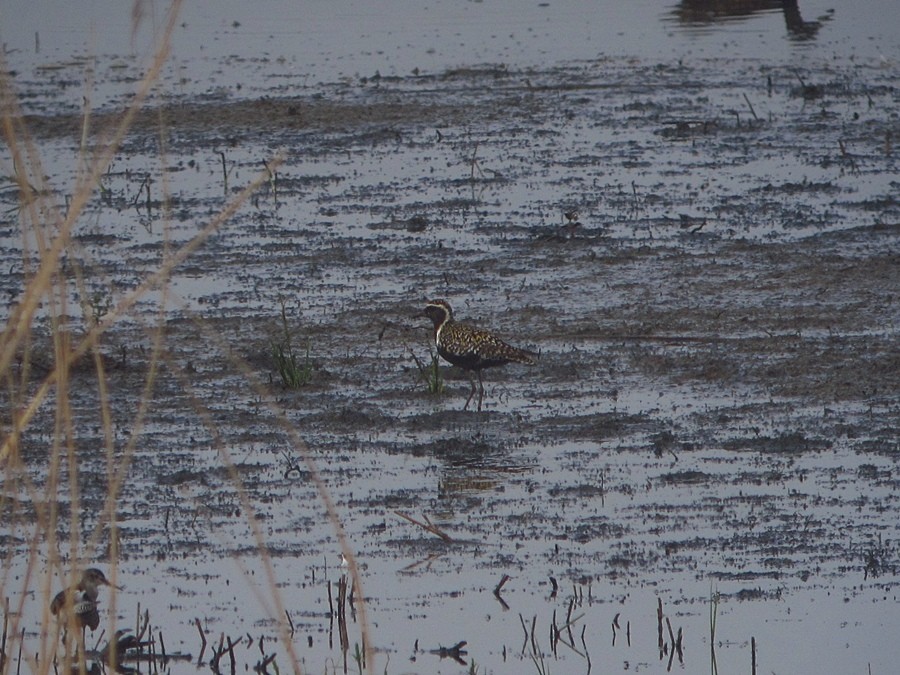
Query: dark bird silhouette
[[78, 603], [470, 348]]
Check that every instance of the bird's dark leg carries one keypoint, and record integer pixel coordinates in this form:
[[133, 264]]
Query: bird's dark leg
[[480, 391], [471, 394]]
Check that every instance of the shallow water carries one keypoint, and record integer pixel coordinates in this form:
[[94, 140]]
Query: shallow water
[[715, 407]]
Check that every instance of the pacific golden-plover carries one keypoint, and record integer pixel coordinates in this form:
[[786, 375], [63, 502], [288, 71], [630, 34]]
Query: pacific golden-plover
[[470, 348]]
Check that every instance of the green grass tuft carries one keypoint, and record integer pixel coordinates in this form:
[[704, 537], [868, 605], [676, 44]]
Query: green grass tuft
[[295, 372], [430, 372]]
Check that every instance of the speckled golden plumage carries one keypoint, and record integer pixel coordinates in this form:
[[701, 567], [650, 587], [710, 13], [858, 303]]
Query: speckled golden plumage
[[470, 348]]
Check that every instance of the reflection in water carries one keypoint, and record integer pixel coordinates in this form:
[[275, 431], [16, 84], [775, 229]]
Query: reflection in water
[[474, 465], [707, 12]]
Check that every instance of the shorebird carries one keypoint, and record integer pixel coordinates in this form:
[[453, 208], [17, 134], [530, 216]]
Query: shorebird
[[470, 348], [78, 603]]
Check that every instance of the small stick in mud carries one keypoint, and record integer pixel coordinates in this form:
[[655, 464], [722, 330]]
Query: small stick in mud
[[498, 588], [750, 105], [290, 623], [217, 654], [587, 654], [524, 628], [554, 635], [679, 646], [5, 627], [224, 171], [534, 647], [555, 587], [752, 655], [202, 639], [615, 628], [659, 627], [231, 646], [428, 526], [263, 666]]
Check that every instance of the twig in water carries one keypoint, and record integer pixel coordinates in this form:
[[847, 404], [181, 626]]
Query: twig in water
[[534, 647], [524, 628], [587, 654], [498, 588], [659, 627], [290, 623], [224, 172], [231, 646], [427, 526], [750, 105], [554, 635]]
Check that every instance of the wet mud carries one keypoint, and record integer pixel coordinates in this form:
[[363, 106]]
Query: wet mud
[[715, 405]]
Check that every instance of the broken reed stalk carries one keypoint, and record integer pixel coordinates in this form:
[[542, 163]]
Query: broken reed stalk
[[152, 649], [3, 638], [342, 615], [554, 635], [587, 654], [750, 105], [534, 647], [659, 626], [202, 639], [499, 586], [231, 656], [290, 622], [569, 620], [19, 655], [342, 624], [525, 630], [752, 655], [217, 654], [427, 526], [224, 172]]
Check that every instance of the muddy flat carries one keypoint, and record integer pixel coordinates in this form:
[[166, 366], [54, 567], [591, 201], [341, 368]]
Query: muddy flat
[[705, 257]]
